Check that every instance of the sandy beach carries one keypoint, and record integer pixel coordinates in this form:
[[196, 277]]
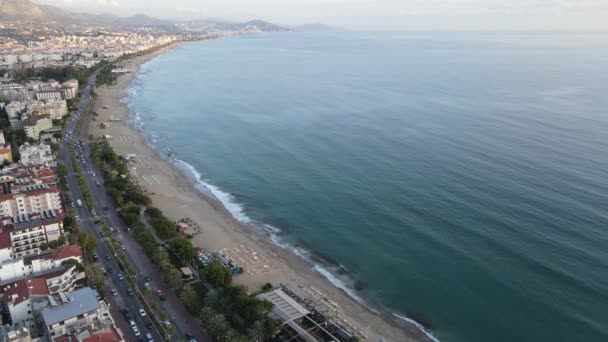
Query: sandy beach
[[262, 260]]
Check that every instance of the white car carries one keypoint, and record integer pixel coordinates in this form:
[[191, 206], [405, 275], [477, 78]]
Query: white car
[[114, 292], [132, 322], [142, 313], [120, 277]]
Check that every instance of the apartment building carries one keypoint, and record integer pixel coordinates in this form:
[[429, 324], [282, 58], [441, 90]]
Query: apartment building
[[13, 269], [27, 232], [75, 312], [34, 154], [35, 124], [31, 199]]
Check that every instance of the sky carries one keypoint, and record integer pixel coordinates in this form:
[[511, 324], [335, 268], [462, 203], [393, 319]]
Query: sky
[[371, 14]]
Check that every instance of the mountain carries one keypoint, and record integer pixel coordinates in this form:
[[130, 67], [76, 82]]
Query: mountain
[[20, 10], [27, 11]]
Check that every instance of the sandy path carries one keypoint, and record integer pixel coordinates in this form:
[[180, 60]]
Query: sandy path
[[176, 196]]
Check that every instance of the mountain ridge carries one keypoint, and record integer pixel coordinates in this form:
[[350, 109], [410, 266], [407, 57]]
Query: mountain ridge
[[28, 11]]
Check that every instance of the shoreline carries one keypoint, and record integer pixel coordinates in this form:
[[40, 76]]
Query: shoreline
[[178, 196]]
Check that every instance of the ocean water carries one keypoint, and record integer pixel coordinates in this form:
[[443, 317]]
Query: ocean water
[[461, 178]]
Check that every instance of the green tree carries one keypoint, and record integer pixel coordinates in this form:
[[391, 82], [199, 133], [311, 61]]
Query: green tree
[[163, 316], [165, 228], [217, 275], [154, 305], [183, 249], [98, 280], [173, 278], [44, 246], [189, 297], [148, 293], [154, 213], [73, 262], [89, 243]]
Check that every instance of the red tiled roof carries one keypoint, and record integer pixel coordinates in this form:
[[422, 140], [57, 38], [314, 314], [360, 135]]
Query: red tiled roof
[[66, 252], [110, 335], [5, 239], [21, 290]]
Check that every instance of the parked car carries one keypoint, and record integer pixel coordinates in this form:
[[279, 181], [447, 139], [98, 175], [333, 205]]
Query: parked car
[[142, 313], [114, 292], [160, 294]]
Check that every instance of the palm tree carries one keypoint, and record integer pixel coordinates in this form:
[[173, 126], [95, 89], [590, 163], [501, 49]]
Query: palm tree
[[213, 297], [229, 335], [148, 293], [257, 331], [217, 324], [171, 330], [188, 296], [154, 306], [205, 315]]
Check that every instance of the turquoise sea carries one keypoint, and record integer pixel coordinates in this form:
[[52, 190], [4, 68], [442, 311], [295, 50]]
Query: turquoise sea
[[461, 178]]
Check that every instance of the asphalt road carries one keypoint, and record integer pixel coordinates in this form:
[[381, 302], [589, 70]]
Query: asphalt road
[[179, 317]]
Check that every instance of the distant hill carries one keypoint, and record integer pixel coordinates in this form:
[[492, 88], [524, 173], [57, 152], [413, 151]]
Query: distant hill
[[26, 10], [20, 10]]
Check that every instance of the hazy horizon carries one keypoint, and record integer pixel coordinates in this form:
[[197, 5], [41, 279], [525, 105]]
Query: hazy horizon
[[372, 14]]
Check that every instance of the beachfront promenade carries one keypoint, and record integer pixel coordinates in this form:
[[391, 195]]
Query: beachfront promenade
[[182, 320]]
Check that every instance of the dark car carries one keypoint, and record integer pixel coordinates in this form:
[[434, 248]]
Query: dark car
[[95, 258], [148, 324], [127, 315], [188, 336], [110, 270], [130, 292]]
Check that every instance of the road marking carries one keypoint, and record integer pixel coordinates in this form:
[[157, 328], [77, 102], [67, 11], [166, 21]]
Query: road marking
[[156, 179], [146, 179]]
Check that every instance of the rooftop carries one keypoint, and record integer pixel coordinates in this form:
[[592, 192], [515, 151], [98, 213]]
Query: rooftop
[[78, 302], [285, 307]]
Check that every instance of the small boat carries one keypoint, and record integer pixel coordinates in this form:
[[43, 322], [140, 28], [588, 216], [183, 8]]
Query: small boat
[[342, 269]]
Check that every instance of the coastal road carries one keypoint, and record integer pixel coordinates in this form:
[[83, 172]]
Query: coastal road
[[122, 299], [182, 320]]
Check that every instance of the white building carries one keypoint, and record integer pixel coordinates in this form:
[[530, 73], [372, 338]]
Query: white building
[[30, 199], [28, 232], [34, 125], [71, 313], [52, 94], [36, 154], [16, 269]]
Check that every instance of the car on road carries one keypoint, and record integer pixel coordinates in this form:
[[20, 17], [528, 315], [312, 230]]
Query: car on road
[[95, 258], [108, 256], [166, 323], [160, 295], [125, 312], [149, 337], [142, 313], [76, 218], [148, 286], [190, 338], [130, 291], [120, 277], [148, 324], [132, 322], [110, 270], [114, 292], [123, 247]]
